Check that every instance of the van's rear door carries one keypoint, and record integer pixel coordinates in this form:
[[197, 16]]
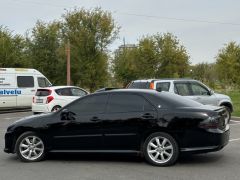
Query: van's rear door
[[8, 91], [27, 86]]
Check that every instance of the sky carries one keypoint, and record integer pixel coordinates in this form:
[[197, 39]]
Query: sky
[[203, 27]]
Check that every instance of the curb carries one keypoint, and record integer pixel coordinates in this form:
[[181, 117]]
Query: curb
[[235, 118]]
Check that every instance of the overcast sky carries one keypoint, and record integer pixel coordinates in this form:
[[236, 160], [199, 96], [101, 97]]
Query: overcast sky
[[203, 27]]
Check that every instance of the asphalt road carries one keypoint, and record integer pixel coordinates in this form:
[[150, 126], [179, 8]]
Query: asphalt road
[[221, 165]]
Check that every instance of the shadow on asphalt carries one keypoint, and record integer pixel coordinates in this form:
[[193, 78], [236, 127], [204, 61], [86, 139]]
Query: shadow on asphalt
[[183, 160]]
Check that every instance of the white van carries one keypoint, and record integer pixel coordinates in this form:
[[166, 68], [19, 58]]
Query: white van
[[18, 86]]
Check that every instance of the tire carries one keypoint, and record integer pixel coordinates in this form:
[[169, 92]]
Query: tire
[[161, 152], [30, 147], [228, 113], [56, 108]]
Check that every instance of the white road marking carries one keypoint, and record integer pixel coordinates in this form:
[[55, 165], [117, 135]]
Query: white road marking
[[234, 124], [234, 121], [237, 139]]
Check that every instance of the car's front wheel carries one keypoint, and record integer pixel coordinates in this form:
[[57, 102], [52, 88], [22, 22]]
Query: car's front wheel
[[30, 147], [160, 149]]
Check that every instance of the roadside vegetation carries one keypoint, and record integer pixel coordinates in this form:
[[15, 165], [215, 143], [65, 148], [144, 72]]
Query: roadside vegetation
[[235, 96], [93, 65]]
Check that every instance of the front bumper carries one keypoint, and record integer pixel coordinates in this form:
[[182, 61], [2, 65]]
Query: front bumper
[[9, 142]]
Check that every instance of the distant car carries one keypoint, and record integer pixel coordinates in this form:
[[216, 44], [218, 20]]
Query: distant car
[[192, 89], [158, 126], [53, 98]]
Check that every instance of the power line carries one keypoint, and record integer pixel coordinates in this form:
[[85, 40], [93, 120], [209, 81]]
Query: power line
[[137, 15], [178, 19]]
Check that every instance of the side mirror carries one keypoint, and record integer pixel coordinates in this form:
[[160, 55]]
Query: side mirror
[[211, 92], [67, 115]]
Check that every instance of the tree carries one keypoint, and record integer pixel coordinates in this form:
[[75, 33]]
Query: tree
[[125, 65], [157, 56], [228, 64], [173, 58], [89, 32], [12, 49], [205, 72], [46, 51]]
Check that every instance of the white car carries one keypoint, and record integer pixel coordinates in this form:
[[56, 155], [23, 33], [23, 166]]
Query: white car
[[53, 98]]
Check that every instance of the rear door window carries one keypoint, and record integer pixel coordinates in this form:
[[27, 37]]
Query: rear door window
[[64, 92], [182, 89], [162, 86], [25, 81], [125, 103]]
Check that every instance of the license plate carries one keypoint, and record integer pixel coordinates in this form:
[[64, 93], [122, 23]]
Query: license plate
[[39, 100]]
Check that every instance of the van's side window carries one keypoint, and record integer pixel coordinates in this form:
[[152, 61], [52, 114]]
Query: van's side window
[[25, 81]]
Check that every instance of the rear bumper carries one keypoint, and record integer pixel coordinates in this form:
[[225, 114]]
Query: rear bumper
[[40, 108], [211, 142]]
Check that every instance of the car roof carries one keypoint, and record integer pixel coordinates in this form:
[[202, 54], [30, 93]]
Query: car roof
[[163, 79], [147, 91], [59, 87]]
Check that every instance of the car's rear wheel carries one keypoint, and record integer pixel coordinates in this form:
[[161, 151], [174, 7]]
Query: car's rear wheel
[[160, 149], [56, 108], [30, 147]]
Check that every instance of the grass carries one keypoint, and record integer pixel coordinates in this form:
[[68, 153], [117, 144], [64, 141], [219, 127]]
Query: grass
[[235, 96]]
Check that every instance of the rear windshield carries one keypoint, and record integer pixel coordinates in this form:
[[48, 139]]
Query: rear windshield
[[139, 85], [43, 92]]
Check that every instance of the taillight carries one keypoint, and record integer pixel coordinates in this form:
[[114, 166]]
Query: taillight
[[151, 85], [210, 123], [33, 99], [49, 99]]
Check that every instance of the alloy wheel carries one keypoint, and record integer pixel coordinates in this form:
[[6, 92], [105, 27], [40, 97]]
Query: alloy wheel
[[31, 148], [160, 149]]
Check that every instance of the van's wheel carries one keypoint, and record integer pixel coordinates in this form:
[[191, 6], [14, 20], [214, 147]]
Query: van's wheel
[[30, 147], [56, 108], [228, 111], [160, 149]]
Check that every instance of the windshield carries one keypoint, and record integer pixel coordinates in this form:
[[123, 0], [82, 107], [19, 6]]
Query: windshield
[[43, 82]]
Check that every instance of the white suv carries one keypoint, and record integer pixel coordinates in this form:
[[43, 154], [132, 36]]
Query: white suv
[[53, 98], [186, 87]]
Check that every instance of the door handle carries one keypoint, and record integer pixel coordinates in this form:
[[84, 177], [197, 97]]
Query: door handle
[[147, 116], [95, 119]]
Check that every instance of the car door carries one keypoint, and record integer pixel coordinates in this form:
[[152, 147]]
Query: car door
[[202, 94], [8, 91], [127, 117], [65, 96], [81, 129], [26, 85]]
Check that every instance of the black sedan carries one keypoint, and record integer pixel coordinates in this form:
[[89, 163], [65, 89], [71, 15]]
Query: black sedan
[[158, 126]]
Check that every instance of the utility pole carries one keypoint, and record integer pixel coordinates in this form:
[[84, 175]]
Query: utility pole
[[68, 64]]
